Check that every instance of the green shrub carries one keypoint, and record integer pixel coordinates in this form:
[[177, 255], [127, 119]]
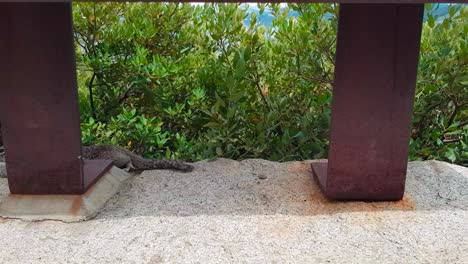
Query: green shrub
[[440, 122], [202, 83]]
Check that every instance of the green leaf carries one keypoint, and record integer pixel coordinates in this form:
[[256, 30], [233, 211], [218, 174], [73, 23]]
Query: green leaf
[[430, 20], [450, 155], [247, 53], [211, 124]]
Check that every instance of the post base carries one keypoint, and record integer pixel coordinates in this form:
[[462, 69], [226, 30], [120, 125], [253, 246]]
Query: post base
[[337, 187], [319, 172], [93, 170], [65, 207]]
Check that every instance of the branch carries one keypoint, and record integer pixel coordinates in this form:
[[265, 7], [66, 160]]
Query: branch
[[265, 101], [91, 98], [451, 140], [452, 116], [126, 94], [323, 81]]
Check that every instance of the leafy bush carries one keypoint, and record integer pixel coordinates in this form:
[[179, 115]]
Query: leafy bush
[[202, 82], [440, 122]]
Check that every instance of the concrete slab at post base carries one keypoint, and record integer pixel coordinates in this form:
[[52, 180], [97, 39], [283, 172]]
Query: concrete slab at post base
[[66, 208]]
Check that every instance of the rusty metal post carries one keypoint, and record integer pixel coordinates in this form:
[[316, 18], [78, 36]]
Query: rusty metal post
[[39, 101], [375, 77]]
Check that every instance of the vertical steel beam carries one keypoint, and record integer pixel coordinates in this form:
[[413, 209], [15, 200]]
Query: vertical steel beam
[[38, 99], [375, 77]]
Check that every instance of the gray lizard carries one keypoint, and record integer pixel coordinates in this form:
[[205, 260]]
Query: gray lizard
[[121, 158], [125, 159]]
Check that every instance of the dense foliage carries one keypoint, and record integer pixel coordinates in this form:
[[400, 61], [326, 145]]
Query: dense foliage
[[195, 82], [440, 122]]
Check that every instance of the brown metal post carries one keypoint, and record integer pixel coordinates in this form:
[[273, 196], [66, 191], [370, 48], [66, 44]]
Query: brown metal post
[[375, 77], [39, 102]]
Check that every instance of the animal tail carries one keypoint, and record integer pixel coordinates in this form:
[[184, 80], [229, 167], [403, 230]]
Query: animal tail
[[153, 164]]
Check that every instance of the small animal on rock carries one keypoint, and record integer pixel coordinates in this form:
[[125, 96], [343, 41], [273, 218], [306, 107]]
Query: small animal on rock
[[125, 159], [121, 158]]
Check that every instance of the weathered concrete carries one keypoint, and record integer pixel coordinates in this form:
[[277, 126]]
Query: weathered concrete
[[3, 173], [67, 208], [254, 211]]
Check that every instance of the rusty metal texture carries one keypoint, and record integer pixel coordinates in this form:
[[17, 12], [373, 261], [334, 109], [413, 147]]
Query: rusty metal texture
[[93, 170], [38, 99], [375, 77]]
